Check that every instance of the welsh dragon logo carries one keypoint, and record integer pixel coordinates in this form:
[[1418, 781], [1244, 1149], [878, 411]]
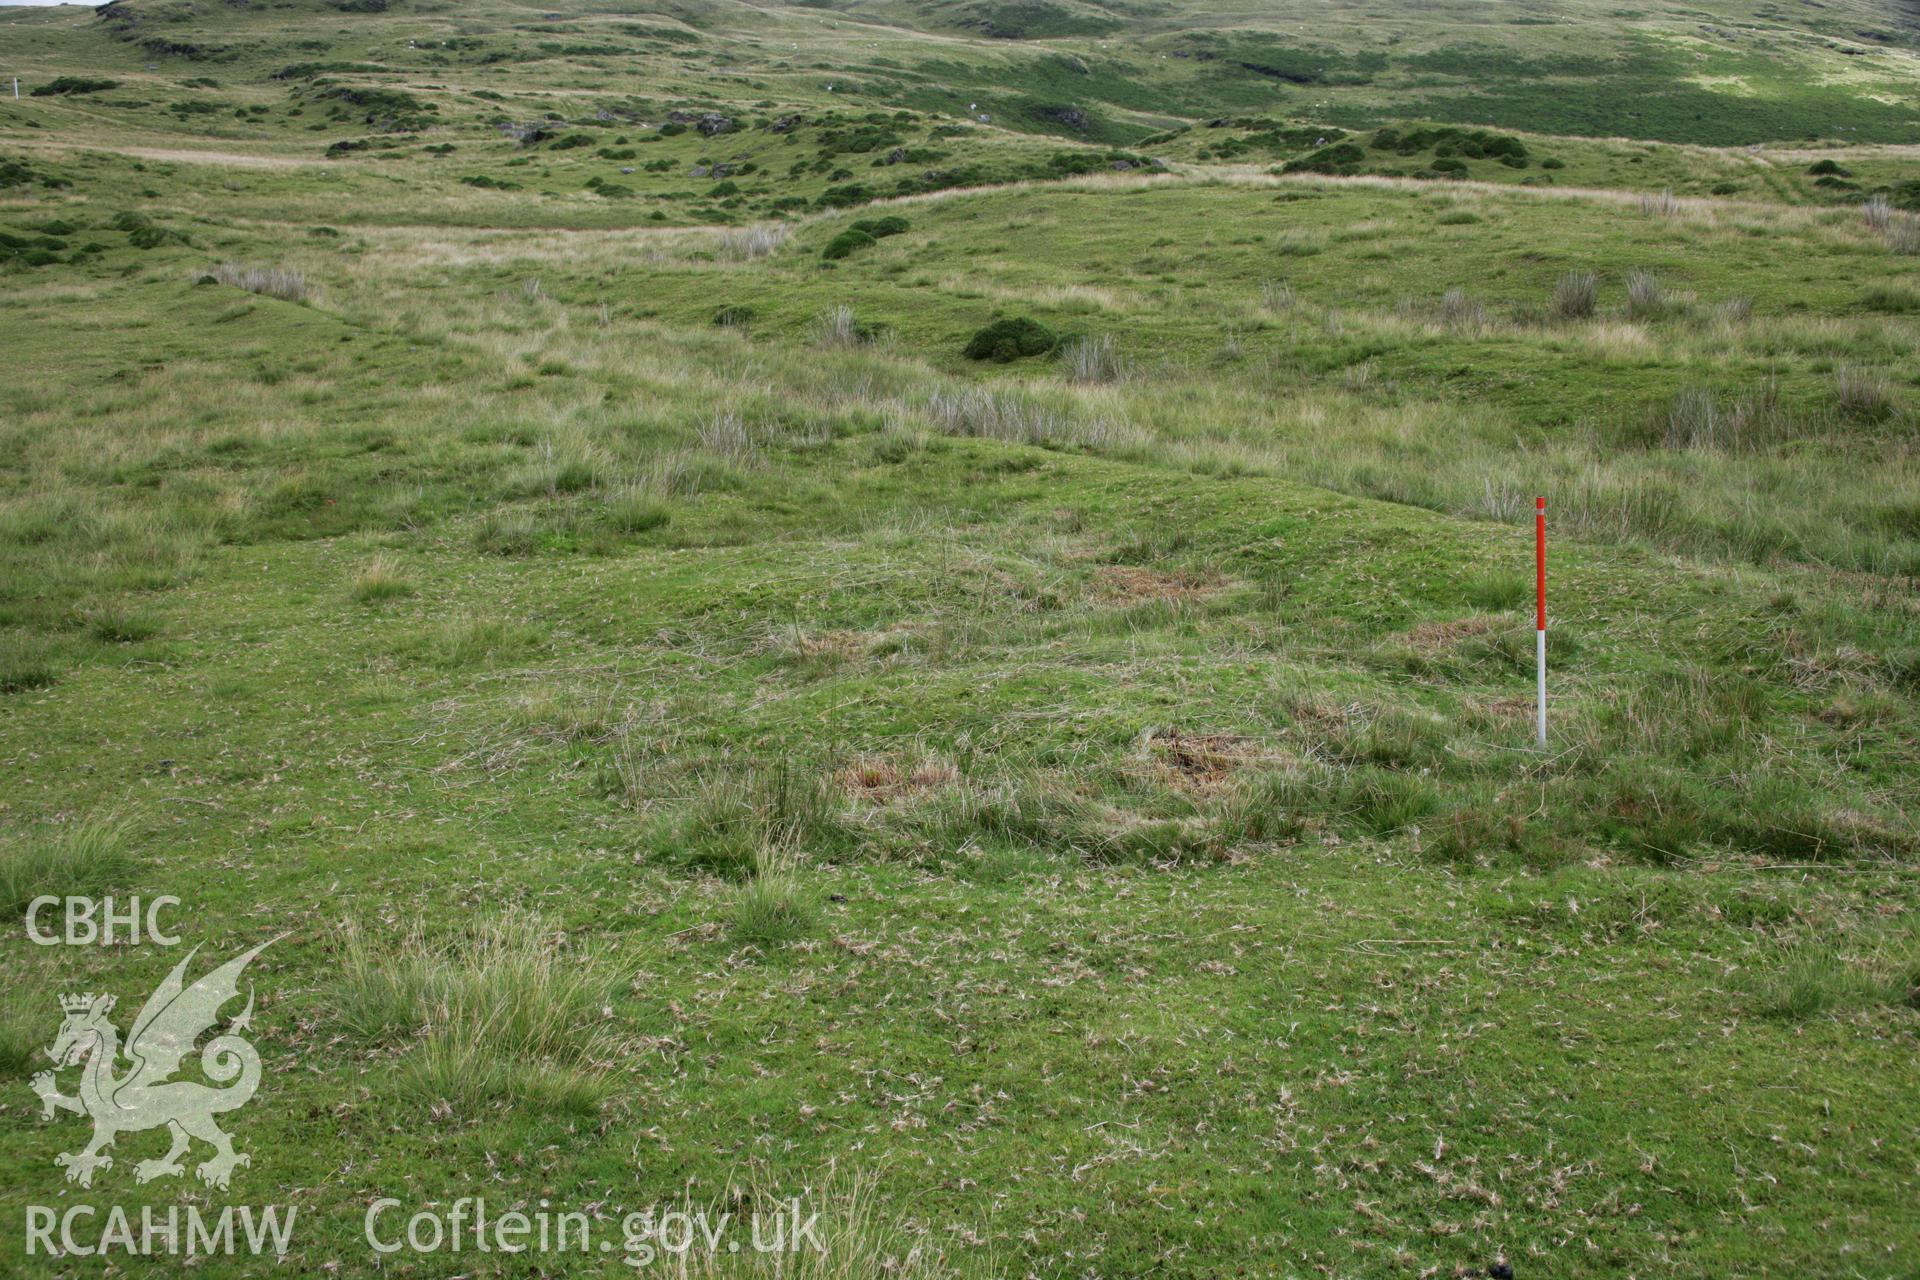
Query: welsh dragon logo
[[173, 1018]]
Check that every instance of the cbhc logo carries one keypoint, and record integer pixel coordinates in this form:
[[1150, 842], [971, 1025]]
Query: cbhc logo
[[102, 922]]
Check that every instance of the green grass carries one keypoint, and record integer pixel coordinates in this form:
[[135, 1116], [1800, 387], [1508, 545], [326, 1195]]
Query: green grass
[[87, 858], [704, 738]]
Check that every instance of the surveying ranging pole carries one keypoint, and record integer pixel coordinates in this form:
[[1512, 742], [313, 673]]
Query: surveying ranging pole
[[1540, 614]]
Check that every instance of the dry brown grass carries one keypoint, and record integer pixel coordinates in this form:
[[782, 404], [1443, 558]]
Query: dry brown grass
[[1126, 583]]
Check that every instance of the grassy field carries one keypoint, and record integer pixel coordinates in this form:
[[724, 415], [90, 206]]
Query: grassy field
[[990, 690]]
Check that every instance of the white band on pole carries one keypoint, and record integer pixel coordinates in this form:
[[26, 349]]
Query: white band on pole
[[1540, 666], [1540, 615]]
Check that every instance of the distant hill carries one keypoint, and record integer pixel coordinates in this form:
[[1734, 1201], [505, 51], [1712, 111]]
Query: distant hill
[[1722, 73]]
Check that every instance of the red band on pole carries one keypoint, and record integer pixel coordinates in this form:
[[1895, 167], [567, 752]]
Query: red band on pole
[[1540, 564]]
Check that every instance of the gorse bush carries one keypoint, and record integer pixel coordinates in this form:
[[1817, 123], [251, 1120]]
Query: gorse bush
[[881, 228], [61, 86], [847, 242], [1010, 339]]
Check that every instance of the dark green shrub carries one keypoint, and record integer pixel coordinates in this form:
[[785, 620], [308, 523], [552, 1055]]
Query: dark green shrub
[[1010, 339], [1341, 158], [154, 238], [733, 316], [881, 228], [74, 84], [845, 243], [840, 197]]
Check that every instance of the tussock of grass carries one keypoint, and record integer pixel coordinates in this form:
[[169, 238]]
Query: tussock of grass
[[27, 663], [570, 464], [121, 623], [1863, 393], [731, 822], [1646, 297], [861, 1242], [82, 859], [1092, 360], [1461, 312], [1662, 204], [771, 911], [1499, 590], [23, 1033], [838, 327], [688, 472], [1811, 979], [462, 642], [748, 244], [1699, 419], [1022, 418], [634, 510], [1576, 295], [499, 1013], [283, 283], [380, 578], [1892, 300], [728, 441], [507, 533], [570, 715]]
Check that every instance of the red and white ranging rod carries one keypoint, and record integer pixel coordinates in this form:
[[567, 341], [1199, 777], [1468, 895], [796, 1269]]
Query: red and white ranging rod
[[1540, 614]]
